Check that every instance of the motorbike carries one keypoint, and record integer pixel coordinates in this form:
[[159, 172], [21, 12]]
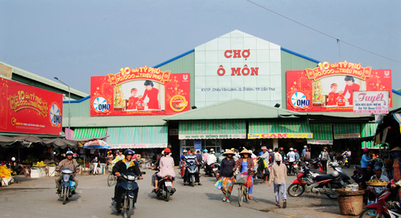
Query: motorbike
[[294, 168], [67, 186], [182, 170], [384, 206], [316, 167], [309, 182], [345, 161], [213, 170], [358, 173], [164, 188], [128, 183], [191, 169]]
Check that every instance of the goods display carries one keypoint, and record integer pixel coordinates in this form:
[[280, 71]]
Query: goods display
[[5, 171], [39, 164], [376, 182]]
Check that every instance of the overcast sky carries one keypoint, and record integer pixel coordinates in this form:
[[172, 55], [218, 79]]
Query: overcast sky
[[75, 40]]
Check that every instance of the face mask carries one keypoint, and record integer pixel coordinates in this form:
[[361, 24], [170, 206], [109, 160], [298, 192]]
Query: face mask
[[396, 154]]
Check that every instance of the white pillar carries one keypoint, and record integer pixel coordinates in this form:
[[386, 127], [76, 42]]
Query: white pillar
[[275, 143]]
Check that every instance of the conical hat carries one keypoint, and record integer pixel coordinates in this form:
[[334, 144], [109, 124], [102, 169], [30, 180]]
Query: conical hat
[[227, 152], [245, 151], [396, 149]]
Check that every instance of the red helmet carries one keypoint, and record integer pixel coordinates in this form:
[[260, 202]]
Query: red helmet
[[167, 150], [295, 150]]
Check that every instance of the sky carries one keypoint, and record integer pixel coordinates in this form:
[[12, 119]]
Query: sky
[[74, 40]]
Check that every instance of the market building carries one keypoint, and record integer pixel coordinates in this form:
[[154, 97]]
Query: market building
[[237, 90]]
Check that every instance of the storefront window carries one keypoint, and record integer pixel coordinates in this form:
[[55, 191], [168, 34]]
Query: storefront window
[[205, 144]]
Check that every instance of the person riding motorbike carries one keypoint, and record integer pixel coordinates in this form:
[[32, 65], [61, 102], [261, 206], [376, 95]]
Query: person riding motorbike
[[211, 159], [291, 159], [191, 158], [127, 165], [119, 156], [166, 168], [263, 158], [67, 163]]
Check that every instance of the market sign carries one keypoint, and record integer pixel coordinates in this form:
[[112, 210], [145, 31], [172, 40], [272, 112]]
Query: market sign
[[320, 142], [372, 102], [237, 66], [211, 136], [27, 109], [347, 136], [331, 87], [280, 135], [140, 91], [138, 146]]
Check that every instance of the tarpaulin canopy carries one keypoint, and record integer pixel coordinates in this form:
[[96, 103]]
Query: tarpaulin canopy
[[322, 134], [96, 144], [59, 142], [6, 141], [212, 129], [138, 137], [282, 128], [368, 132]]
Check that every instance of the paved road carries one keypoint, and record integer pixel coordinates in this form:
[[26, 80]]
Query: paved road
[[37, 198]]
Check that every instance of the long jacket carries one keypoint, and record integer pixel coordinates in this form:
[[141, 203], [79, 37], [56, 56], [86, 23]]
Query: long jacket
[[250, 165], [121, 167]]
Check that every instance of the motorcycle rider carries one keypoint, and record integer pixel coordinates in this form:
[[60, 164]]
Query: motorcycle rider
[[263, 158], [282, 153], [211, 159], [166, 168], [119, 156], [184, 153], [67, 163], [127, 165], [291, 159], [220, 157], [191, 158], [307, 155], [199, 158], [205, 155]]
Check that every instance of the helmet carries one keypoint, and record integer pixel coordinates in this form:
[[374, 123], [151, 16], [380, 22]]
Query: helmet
[[69, 153], [211, 150], [75, 155], [109, 152], [291, 149], [184, 151], [117, 151], [264, 148], [365, 150], [305, 146], [129, 152], [205, 150], [335, 173], [167, 150], [295, 149], [13, 159], [270, 150]]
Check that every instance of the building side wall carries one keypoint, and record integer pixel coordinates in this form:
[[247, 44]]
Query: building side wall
[[81, 109]]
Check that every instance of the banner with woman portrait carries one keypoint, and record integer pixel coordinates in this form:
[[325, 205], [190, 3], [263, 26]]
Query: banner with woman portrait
[[140, 91]]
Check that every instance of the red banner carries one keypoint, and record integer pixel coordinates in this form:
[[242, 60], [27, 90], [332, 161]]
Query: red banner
[[330, 87], [140, 91], [27, 109]]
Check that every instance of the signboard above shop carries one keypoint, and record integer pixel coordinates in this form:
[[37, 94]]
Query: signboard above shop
[[140, 91], [27, 109], [372, 102], [331, 87]]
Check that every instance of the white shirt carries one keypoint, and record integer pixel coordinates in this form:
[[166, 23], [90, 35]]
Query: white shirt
[[291, 156], [265, 156], [382, 178], [211, 159]]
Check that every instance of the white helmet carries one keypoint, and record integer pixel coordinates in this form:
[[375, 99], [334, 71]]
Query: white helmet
[[335, 174], [291, 149], [270, 150], [13, 159]]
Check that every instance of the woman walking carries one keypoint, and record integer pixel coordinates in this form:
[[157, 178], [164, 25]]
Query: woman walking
[[227, 169], [245, 164], [278, 175]]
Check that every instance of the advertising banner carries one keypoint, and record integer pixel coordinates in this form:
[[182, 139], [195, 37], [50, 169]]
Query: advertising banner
[[140, 91], [331, 87], [372, 102], [237, 66], [27, 109], [211, 136], [280, 135]]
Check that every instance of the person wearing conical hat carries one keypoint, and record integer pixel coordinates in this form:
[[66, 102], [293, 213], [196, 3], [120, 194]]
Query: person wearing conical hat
[[227, 169], [245, 165]]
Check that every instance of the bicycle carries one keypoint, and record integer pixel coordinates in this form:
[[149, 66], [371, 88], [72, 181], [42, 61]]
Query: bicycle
[[111, 179], [242, 189]]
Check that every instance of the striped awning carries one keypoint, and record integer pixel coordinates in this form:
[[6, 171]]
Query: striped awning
[[346, 130], [283, 128], [138, 137], [369, 130], [212, 129], [89, 133], [322, 134]]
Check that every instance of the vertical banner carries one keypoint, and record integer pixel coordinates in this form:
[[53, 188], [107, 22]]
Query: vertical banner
[[140, 91]]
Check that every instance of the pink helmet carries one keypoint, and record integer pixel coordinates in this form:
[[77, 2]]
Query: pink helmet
[[365, 150], [295, 150]]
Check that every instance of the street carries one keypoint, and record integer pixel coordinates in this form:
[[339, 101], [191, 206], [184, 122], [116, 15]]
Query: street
[[37, 198]]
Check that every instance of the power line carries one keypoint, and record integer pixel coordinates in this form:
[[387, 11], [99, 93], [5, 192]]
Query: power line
[[338, 40]]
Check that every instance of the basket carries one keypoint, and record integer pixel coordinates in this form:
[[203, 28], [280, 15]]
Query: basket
[[350, 202], [376, 184]]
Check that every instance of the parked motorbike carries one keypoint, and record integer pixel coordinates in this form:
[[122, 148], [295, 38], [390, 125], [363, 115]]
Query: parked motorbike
[[212, 170], [384, 206], [164, 188], [316, 167], [191, 169], [358, 173], [128, 183], [309, 182], [67, 186]]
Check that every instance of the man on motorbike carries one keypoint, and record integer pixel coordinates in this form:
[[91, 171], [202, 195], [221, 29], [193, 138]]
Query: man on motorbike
[[291, 159], [67, 163], [119, 157], [211, 159], [127, 165], [166, 168], [191, 158], [263, 158]]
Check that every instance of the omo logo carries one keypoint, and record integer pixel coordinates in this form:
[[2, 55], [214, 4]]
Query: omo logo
[[299, 100], [100, 105], [55, 115]]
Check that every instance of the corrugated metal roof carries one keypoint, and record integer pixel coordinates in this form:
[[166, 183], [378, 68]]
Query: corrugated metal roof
[[233, 109], [43, 80], [110, 121]]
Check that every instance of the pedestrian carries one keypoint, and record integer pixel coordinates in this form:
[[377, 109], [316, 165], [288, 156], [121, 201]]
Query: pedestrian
[[324, 156], [304, 150], [263, 162], [245, 164], [95, 161], [291, 159], [227, 169], [278, 176], [276, 154]]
